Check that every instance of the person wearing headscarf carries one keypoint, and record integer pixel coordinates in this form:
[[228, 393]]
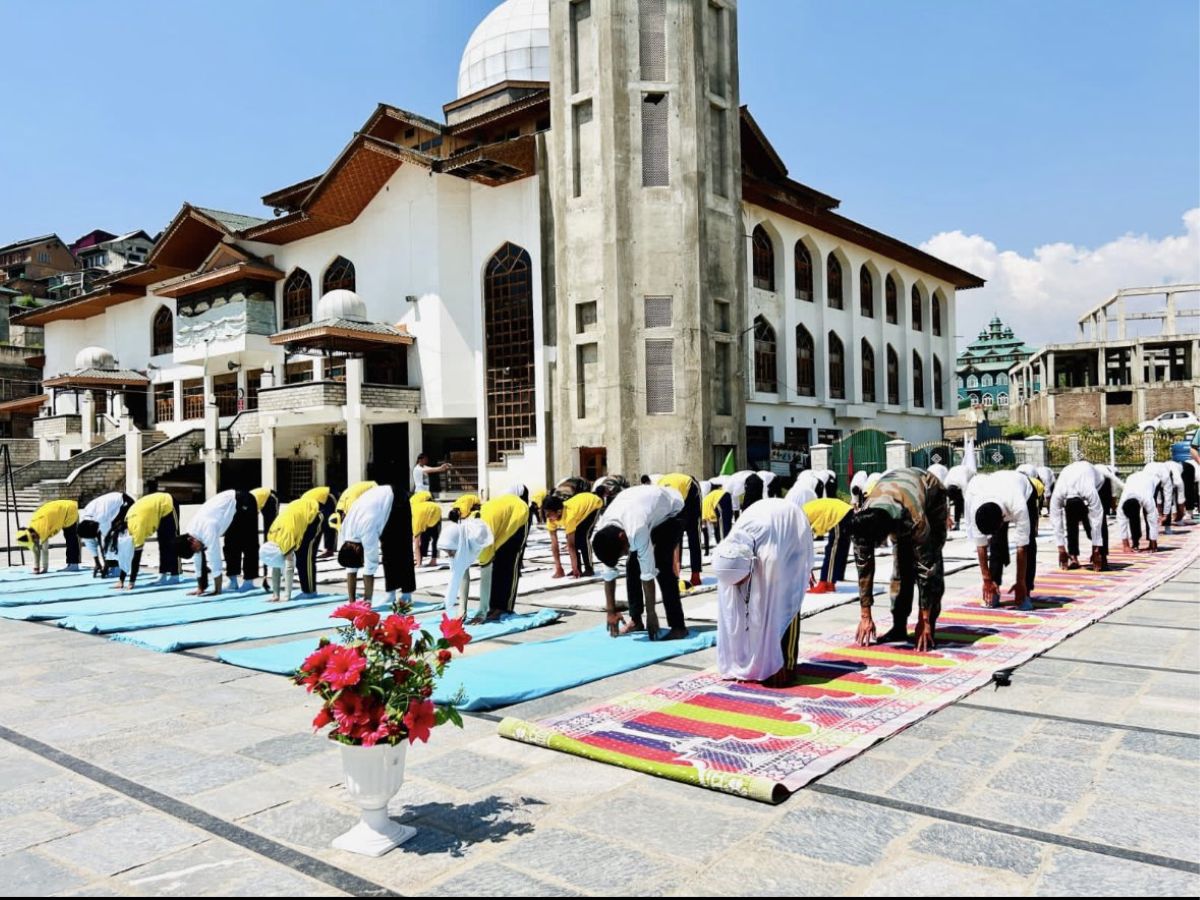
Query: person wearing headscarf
[[1135, 509], [997, 502], [575, 517], [716, 512], [47, 522], [908, 506], [378, 530], [426, 529], [496, 539], [291, 548], [810, 480], [99, 523], [759, 595], [858, 488], [1080, 498], [326, 499], [152, 514], [689, 489], [826, 518]]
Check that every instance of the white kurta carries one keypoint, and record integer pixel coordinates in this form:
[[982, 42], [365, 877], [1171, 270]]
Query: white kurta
[[103, 511], [208, 526], [1078, 481], [1139, 487], [752, 617], [466, 540], [365, 522]]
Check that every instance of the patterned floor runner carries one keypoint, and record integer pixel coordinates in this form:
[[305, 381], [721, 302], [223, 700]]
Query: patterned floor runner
[[763, 743]]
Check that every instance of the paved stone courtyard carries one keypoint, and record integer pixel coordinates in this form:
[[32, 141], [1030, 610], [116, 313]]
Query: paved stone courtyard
[[126, 772]]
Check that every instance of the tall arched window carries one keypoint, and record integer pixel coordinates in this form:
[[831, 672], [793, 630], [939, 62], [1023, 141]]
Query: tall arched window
[[804, 272], [939, 398], [837, 368], [918, 381], [833, 277], [806, 363], [985, 381], [893, 376], [339, 276], [868, 372], [508, 349], [935, 314], [764, 259], [162, 332], [916, 308], [765, 359], [297, 299], [1002, 399], [866, 292], [890, 302], [1002, 378], [972, 381]]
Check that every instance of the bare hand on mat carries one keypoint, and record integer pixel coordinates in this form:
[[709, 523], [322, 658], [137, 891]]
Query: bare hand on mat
[[865, 636]]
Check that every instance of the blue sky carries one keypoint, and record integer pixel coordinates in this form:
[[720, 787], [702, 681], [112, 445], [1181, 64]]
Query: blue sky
[[1026, 122]]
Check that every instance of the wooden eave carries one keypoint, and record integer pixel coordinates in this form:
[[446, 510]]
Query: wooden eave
[[327, 338], [89, 383], [24, 404], [186, 242], [82, 307], [289, 197], [190, 284], [495, 89]]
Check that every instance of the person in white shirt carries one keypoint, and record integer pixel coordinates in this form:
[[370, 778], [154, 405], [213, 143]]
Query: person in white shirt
[[1046, 476], [229, 519], [995, 503], [735, 486], [1136, 508], [643, 522], [1165, 491], [828, 481], [1180, 485], [99, 523], [1079, 500], [422, 470], [938, 471], [758, 594], [809, 480], [956, 482], [378, 529]]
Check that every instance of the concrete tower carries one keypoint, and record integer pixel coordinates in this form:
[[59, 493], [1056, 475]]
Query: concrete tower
[[645, 187]]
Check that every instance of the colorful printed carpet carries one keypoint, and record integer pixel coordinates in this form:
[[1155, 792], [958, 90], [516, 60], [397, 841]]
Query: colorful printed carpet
[[763, 743]]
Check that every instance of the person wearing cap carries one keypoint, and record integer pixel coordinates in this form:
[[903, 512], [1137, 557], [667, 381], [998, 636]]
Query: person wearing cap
[[689, 489], [908, 506], [46, 523], [716, 511], [575, 517], [152, 514], [1135, 508], [496, 539], [378, 529], [826, 518], [291, 548], [466, 506], [1080, 498], [997, 502], [230, 519], [346, 499], [642, 522], [99, 523], [325, 498], [759, 597], [426, 527]]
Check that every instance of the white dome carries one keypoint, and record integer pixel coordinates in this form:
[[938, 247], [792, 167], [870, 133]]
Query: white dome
[[94, 358], [341, 304], [511, 44]]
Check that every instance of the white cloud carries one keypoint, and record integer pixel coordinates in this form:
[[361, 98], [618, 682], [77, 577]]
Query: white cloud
[[1042, 296]]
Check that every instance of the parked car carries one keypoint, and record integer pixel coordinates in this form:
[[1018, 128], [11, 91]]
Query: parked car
[[1170, 421]]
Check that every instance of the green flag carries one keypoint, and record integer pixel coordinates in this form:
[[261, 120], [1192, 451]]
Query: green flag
[[729, 466]]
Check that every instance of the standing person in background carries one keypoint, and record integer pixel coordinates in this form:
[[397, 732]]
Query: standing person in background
[[689, 489], [422, 470], [99, 523], [50, 519]]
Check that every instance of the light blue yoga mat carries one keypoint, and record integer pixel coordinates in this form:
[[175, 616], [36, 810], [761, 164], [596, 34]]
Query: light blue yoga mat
[[285, 659], [52, 581], [93, 589], [226, 608], [21, 573], [528, 671], [244, 628], [112, 603]]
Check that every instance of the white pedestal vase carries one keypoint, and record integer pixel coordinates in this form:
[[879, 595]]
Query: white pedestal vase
[[373, 776]]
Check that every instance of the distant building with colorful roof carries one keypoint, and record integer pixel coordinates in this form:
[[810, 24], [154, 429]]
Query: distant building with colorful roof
[[983, 367]]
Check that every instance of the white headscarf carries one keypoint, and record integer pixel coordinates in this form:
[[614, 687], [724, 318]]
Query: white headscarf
[[270, 555], [799, 494], [466, 540], [938, 471], [732, 562]]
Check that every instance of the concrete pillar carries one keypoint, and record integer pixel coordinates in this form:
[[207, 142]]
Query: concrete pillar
[[819, 456], [178, 405], [133, 463], [267, 475], [1035, 451], [1169, 323], [356, 431], [87, 418], [212, 442], [1148, 447], [1120, 318], [415, 440], [1050, 381], [1073, 450], [242, 388], [898, 454]]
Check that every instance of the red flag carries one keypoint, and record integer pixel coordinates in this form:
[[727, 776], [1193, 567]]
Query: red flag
[[850, 466]]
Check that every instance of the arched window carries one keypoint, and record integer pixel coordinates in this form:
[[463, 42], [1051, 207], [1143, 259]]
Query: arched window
[[837, 367], [939, 397], [918, 381], [765, 366], [1002, 378], [804, 272], [962, 382], [893, 376], [935, 314], [1002, 400], [833, 277], [974, 400], [866, 292], [764, 259], [972, 381], [988, 400], [806, 363], [985, 381], [339, 276], [508, 350], [890, 292], [868, 372], [297, 299], [916, 308], [162, 333]]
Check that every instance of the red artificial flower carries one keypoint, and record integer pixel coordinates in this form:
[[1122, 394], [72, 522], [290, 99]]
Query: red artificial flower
[[444, 656], [324, 717], [453, 631], [344, 668], [396, 630], [419, 720], [359, 613]]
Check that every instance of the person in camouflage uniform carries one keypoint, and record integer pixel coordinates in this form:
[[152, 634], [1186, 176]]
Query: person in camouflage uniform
[[908, 505]]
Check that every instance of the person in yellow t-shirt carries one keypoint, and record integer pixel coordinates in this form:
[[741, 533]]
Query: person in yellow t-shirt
[[496, 539], [827, 518], [575, 517], [426, 527], [326, 499], [464, 507], [50, 519], [536, 499], [153, 514], [346, 500], [716, 512], [689, 489], [292, 546]]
